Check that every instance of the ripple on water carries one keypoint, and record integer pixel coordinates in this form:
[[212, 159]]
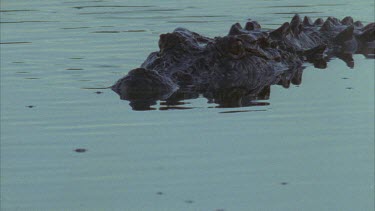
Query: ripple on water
[[33, 21], [18, 10], [302, 6], [140, 30], [81, 27], [74, 69], [32, 78], [8, 43], [241, 111], [295, 12], [110, 32], [238, 147], [113, 6], [115, 32], [193, 21]]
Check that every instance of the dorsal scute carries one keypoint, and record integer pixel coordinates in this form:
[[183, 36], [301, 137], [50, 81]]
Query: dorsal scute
[[358, 24], [369, 26], [252, 25], [345, 35], [334, 20], [368, 34], [296, 25], [307, 21], [235, 29], [347, 21], [328, 25], [318, 22], [281, 32]]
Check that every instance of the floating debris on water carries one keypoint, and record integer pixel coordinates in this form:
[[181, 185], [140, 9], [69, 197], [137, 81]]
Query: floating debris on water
[[284, 183], [74, 69], [189, 201], [80, 150]]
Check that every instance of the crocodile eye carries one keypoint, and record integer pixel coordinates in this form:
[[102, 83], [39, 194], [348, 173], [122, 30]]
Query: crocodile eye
[[236, 47]]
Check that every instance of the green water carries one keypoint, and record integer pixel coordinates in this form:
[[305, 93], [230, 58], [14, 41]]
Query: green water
[[311, 148]]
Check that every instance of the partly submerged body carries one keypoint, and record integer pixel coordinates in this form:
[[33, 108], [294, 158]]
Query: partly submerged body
[[240, 67]]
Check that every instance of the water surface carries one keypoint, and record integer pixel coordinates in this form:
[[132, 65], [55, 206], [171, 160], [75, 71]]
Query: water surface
[[309, 147]]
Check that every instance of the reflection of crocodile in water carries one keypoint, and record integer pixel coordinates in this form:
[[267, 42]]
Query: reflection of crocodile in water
[[238, 68]]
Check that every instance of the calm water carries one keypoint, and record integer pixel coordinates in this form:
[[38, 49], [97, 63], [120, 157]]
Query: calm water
[[311, 148]]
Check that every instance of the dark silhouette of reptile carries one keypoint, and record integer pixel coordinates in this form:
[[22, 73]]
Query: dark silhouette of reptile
[[238, 68]]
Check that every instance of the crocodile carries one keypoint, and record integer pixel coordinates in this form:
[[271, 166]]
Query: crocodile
[[236, 69]]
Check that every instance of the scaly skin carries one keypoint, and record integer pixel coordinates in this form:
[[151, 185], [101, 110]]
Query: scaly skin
[[237, 68]]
